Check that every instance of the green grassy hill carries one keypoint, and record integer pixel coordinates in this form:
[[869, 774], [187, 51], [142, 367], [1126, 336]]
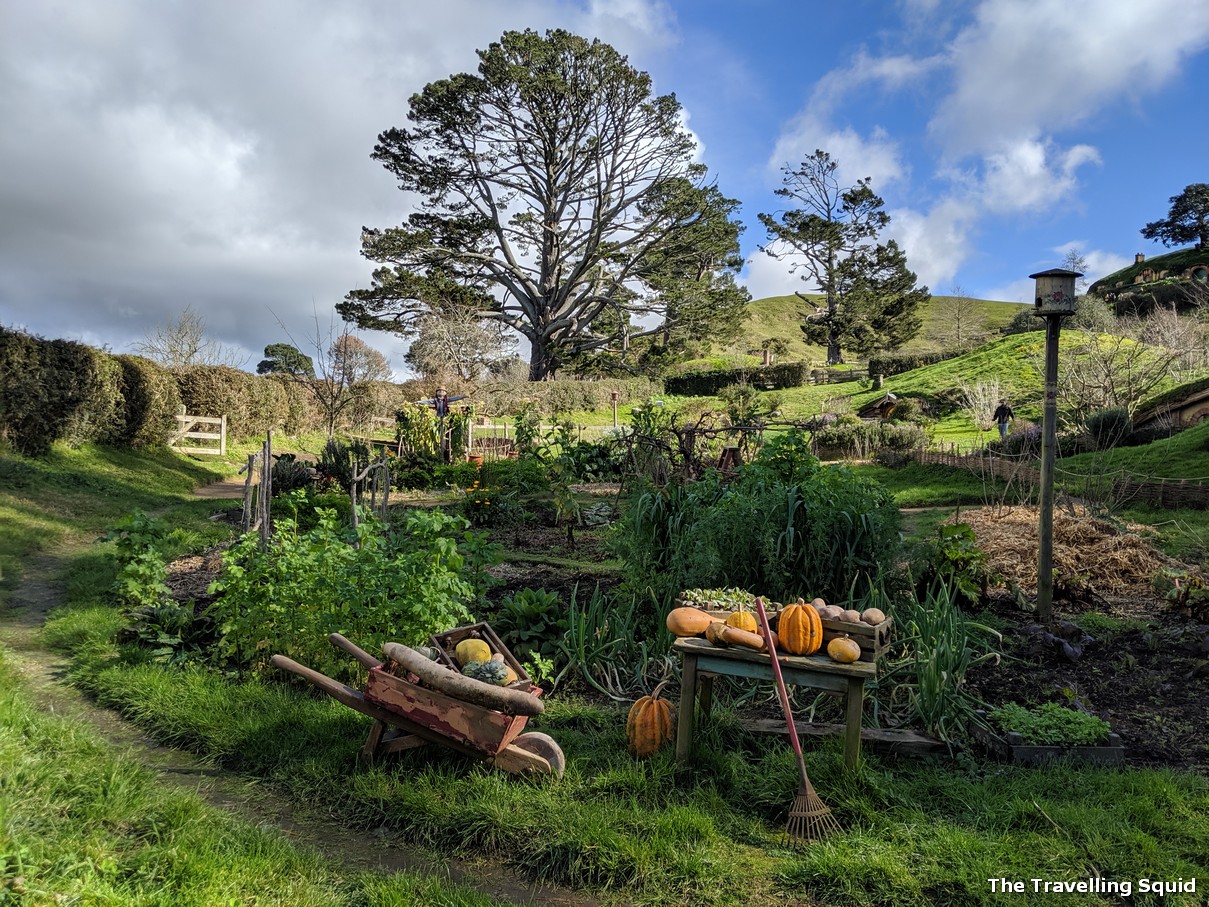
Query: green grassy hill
[[780, 317]]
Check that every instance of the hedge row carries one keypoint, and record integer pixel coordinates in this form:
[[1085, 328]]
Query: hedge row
[[888, 364], [53, 390], [769, 377], [499, 398], [60, 390]]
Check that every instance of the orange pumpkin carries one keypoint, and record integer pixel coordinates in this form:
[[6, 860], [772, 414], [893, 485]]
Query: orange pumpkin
[[800, 630], [650, 724], [844, 649], [688, 621]]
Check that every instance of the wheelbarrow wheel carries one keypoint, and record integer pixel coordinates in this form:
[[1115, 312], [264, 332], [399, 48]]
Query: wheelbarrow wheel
[[543, 745]]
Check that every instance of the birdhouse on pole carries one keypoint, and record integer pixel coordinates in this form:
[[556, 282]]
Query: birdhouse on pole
[[1055, 292]]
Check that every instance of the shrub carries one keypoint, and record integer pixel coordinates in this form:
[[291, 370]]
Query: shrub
[[888, 364], [372, 584], [151, 399], [52, 390], [709, 383], [1108, 427], [289, 474], [806, 529], [862, 439]]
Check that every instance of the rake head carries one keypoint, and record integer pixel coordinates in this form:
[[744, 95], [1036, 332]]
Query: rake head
[[809, 818]]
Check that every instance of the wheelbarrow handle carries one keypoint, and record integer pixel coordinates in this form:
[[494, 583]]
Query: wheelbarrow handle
[[354, 650]]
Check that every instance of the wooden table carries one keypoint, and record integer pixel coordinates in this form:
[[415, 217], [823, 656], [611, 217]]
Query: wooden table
[[703, 660]]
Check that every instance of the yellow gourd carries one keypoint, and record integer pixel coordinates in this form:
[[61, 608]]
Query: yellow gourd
[[844, 650]]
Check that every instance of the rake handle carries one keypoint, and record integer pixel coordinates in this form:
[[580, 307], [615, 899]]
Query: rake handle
[[782, 693]]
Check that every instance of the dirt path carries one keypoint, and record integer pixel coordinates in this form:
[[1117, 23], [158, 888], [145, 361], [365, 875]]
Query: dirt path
[[44, 672]]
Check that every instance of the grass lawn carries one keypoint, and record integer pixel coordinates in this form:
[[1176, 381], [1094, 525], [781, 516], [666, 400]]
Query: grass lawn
[[82, 823]]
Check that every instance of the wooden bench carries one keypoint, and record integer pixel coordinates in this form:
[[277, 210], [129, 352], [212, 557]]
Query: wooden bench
[[702, 661]]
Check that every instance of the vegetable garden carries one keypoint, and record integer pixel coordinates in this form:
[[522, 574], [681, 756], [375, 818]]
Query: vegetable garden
[[578, 579]]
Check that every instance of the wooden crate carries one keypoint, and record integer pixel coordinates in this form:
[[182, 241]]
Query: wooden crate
[[874, 640], [446, 642]]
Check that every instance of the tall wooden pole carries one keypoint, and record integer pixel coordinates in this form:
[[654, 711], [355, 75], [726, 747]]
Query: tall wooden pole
[[1049, 452]]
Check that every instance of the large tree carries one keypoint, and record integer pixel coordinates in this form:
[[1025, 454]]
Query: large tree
[[1187, 220], [871, 299], [540, 183], [285, 359], [458, 341]]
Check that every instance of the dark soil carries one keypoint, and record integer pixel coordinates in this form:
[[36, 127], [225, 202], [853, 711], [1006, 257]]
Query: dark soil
[[1147, 674]]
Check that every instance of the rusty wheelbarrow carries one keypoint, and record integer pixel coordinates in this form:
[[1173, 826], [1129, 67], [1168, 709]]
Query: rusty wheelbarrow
[[433, 704]]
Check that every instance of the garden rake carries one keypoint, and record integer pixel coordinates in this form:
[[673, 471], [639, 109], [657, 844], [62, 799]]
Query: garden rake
[[809, 817]]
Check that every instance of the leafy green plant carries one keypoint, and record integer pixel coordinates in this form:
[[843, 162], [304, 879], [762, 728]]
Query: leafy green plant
[[1051, 725], [372, 584], [139, 541], [169, 630], [532, 621], [954, 559], [806, 530], [937, 647], [289, 473]]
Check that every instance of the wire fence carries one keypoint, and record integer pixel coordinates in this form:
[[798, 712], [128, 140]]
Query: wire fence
[[1117, 486]]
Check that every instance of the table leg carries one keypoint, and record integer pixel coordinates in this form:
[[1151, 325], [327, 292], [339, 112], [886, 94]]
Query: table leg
[[688, 695], [852, 733], [705, 693]]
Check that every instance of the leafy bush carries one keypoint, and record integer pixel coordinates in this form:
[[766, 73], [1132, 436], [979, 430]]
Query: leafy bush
[[784, 526], [303, 507], [954, 560], [1025, 443], [525, 475], [1108, 427], [338, 461], [289, 474], [593, 461], [373, 584], [862, 439], [53, 390], [1051, 725], [252, 404], [888, 364], [142, 576], [150, 401], [709, 383], [532, 620]]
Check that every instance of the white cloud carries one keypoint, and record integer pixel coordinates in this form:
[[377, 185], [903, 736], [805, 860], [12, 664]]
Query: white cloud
[[936, 242], [159, 155], [1031, 175], [1029, 67], [764, 276]]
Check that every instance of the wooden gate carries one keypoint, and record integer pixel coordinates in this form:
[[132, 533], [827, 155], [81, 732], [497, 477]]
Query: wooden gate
[[186, 432]]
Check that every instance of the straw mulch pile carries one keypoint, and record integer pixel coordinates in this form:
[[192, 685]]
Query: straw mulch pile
[[1089, 553]]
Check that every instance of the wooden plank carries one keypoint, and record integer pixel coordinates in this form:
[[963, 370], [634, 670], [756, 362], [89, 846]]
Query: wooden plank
[[818, 663], [203, 435], [204, 420], [892, 740], [212, 451]]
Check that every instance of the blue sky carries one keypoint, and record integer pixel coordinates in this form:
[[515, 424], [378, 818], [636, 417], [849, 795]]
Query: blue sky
[[216, 154]]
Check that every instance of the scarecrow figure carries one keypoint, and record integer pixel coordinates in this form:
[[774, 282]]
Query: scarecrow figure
[[440, 403]]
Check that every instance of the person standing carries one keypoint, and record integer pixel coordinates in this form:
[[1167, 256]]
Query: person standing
[[1003, 415]]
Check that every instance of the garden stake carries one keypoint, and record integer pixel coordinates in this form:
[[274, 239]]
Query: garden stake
[[809, 817]]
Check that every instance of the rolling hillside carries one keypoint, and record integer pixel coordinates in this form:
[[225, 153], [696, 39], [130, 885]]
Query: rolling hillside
[[780, 316]]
